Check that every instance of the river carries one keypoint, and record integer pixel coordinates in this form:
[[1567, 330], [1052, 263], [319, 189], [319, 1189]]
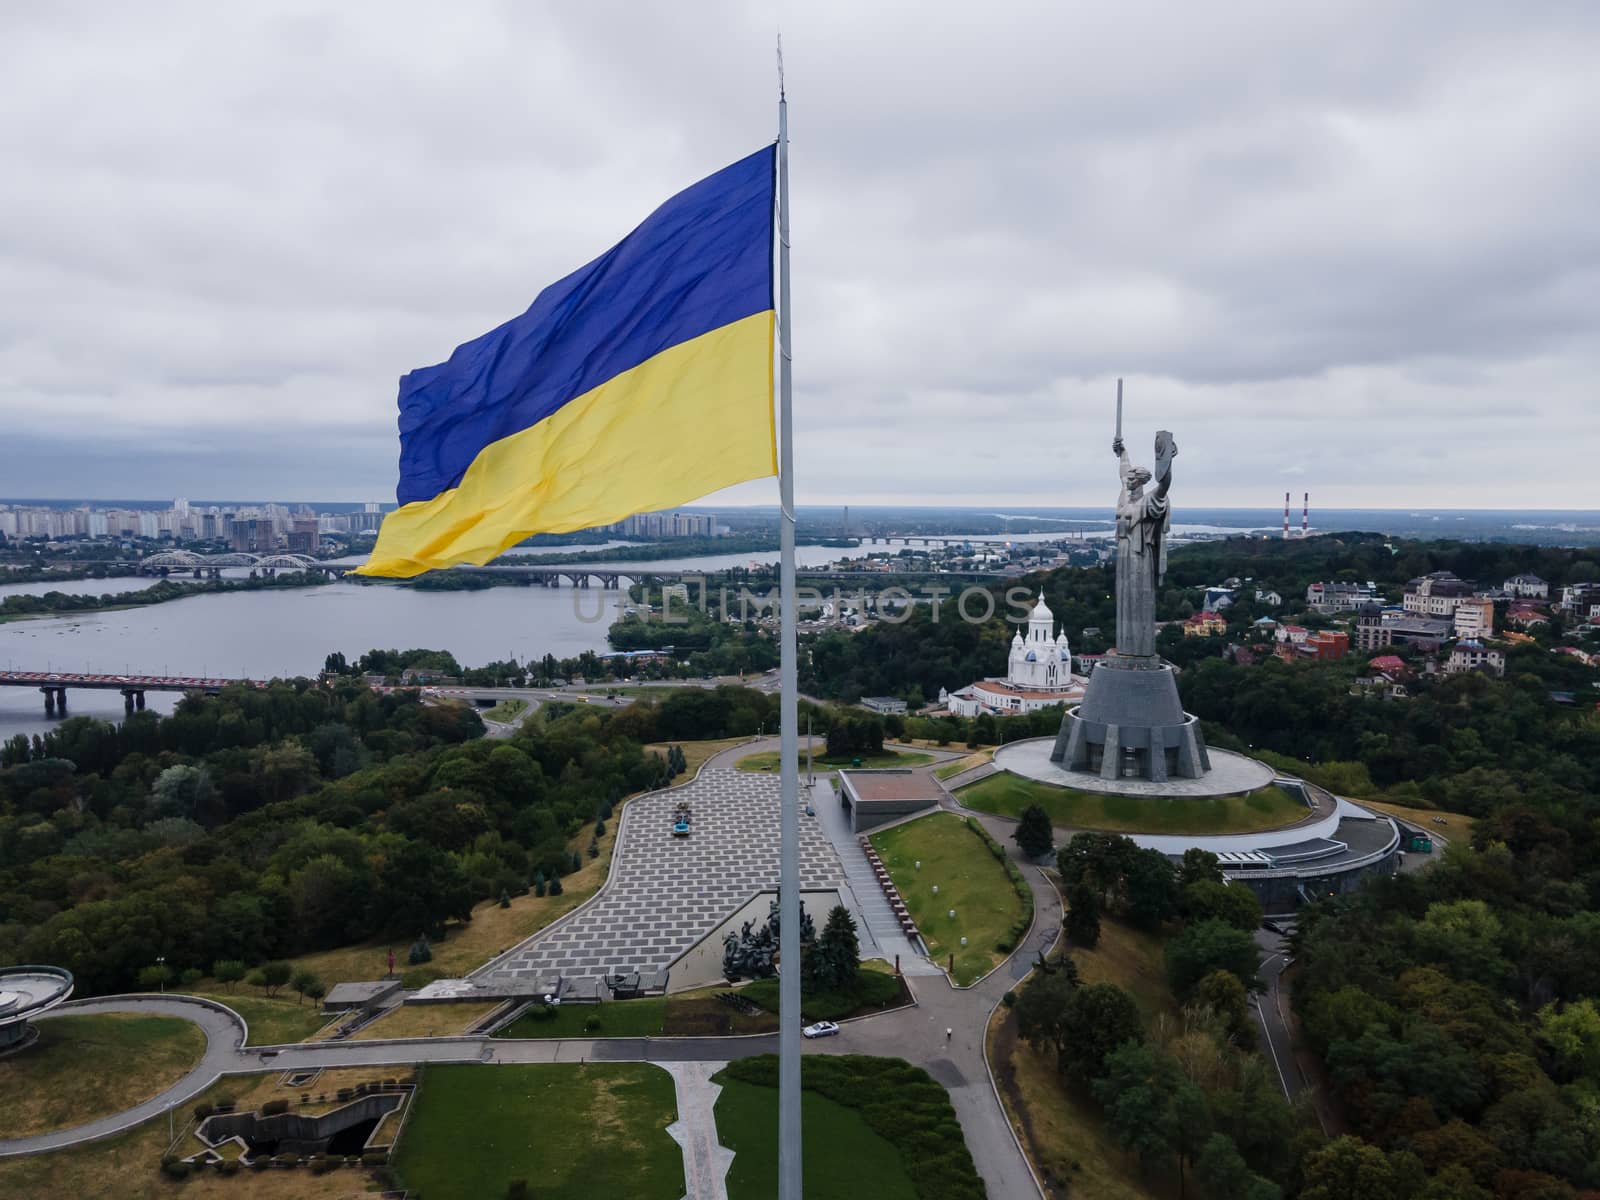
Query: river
[[288, 632]]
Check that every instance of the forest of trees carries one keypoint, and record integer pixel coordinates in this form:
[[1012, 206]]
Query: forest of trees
[[1456, 1010], [262, 824]]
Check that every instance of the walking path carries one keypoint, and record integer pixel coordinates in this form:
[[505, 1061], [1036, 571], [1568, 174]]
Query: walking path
[[705, 1159], [971, 775], [225, 1034]]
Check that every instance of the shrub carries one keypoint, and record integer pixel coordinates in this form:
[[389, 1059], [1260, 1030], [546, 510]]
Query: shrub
[[322, 1164], [286, 1160], [374, 1158], [260, 1163], [229, 1166], [175, 1168], [273, 1107], [1009, 999], [899, 1102], [202, 1111], [555, 886], [591, 1025]]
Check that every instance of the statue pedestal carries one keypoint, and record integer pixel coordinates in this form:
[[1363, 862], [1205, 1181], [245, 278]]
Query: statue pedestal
[[1131, 725]]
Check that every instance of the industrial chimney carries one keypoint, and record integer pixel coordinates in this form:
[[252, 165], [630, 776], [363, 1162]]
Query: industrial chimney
[[1286, 516], [1305, 517]]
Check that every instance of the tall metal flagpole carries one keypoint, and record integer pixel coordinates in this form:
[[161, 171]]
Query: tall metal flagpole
[[789, 1174]]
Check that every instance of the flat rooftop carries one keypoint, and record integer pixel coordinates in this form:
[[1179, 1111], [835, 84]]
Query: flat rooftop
[[893, 783]]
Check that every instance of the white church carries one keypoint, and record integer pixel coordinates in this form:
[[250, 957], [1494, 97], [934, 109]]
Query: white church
[[1038, 674]]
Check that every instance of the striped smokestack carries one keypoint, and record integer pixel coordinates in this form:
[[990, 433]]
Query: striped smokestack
[[1305, 517], [1286, 516]]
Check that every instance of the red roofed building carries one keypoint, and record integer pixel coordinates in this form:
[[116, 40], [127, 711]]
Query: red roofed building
[[1205, 624], [1390, 664]]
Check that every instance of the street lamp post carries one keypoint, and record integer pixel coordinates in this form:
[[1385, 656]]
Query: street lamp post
[[161, 979]]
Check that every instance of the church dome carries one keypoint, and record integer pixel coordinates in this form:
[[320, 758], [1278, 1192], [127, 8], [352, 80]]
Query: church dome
[[1041, 611], [1016, 641]]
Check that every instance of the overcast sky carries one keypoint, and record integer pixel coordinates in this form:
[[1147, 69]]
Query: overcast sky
[[1347, 247]]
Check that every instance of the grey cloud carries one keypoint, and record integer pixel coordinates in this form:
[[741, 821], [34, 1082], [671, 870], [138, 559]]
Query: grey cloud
[[1356, 239]]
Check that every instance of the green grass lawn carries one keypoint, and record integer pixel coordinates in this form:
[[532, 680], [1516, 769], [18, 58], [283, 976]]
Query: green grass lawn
[[505, 711], [970, 881], [83, 1067], [843, 1159], [767, 760], [619, 1018], [572, 1131], [1007, 795], [273, 1021]]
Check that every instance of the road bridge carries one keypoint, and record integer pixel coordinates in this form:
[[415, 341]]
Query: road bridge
[[54, 685], [212, 565]]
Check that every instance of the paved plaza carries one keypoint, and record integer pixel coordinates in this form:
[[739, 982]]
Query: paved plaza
[[666, 893]]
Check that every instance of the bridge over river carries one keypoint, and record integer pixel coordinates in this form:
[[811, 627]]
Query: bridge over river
[[54, 685]]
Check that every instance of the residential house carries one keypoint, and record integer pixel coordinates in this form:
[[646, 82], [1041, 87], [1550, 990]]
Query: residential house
[[1435, 595], [1525, 614], [1339, 597], [1526, 587], [1205, 624], [1475, 656]]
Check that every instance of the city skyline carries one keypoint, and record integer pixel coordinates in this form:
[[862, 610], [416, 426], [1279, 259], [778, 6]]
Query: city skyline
[[231, 245]]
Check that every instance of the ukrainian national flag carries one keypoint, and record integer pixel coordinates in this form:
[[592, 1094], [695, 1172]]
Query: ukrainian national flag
[[640, 381]]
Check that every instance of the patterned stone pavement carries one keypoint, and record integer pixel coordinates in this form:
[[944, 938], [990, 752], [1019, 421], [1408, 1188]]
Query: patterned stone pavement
[[665, 893]]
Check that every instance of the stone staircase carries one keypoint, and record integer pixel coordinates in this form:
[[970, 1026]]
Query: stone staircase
[[891, 894]]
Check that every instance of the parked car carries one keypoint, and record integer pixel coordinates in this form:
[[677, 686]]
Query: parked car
[[820, 1029]]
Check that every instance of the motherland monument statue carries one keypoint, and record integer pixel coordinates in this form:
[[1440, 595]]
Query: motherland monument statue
[[1142, 523], [1131, 723]]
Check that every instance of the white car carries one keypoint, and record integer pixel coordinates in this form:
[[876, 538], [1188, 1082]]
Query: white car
[[820, 1029]]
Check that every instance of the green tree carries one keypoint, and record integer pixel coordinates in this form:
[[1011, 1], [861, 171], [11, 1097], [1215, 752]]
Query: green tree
[[228, 971], [1041, 1010], [1573, 1034], [155, 977], [1231, 902], [1223, 1173], [1199, 866], [1083, 915], [1225, 997], [1151, 884], [305, 982], [836, 957], [1033, 835], [1208, 946], [274, 975], [1348, 1167], [1099, 1018]]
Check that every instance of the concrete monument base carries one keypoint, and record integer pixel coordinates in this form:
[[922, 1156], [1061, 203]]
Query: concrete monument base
[[1132, 725], [1230, 774]]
